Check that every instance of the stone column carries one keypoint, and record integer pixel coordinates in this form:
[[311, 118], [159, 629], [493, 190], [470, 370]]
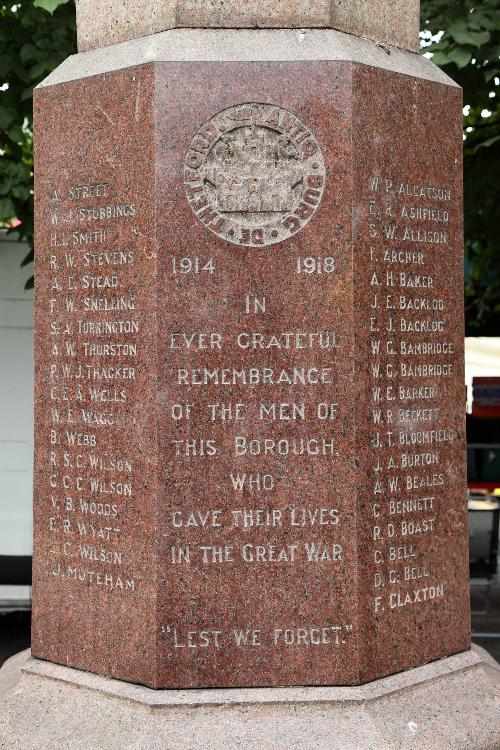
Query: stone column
[[250, 428]]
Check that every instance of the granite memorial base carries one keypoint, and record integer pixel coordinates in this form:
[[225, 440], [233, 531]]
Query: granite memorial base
[[451, 704], [250, 422]]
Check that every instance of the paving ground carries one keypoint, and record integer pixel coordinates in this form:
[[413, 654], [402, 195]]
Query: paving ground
[[485, 600]]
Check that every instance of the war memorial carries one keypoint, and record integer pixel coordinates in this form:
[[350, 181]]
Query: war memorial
[[250, 470]]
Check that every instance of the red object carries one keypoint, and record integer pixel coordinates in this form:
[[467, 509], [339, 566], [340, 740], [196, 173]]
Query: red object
[[486, 397], [479, 486]]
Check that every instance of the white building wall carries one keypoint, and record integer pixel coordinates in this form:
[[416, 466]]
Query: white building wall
[[16, 400]]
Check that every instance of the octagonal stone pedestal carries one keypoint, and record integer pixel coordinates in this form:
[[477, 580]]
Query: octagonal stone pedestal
[[250, 430], [395, 22], [452, 704]]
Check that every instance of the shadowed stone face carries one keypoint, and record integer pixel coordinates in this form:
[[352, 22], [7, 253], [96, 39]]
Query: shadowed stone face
[[392, 22]]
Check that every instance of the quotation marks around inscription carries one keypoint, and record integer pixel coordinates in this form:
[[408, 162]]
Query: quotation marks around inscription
[[254, 175], [312, 636]]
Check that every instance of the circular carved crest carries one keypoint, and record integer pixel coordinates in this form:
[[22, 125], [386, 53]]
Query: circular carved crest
[[254, 174]]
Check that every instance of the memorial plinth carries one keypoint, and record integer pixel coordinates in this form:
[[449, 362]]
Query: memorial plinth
[[250, 422], [429, 708], [250, 435]]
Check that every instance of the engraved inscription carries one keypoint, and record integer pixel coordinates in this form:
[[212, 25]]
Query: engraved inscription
[[408, 377], [249, 462], [92, 363]]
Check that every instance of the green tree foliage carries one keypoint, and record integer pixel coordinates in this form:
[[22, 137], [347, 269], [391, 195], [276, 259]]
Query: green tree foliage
[[469, 51], [33, 41]]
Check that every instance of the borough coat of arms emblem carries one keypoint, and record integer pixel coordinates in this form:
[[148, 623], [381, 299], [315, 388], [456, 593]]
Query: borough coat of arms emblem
[[254, 174]]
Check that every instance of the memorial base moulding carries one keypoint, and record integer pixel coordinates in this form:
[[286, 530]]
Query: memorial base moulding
[[429, 708], [250, 438]]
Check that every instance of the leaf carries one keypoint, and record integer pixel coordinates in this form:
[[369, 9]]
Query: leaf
[[5, 184], [7, 117], [488, 143], [490, 74], [15, 134], [28, 53], [7, 209], [39, 70], [6, 64], [49, 5], [21, 192], [488, 23], [482, 19], [460, 56], [464, 35], [440, 58]]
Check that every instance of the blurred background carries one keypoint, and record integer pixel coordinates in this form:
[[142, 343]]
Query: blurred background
[[462, 37]]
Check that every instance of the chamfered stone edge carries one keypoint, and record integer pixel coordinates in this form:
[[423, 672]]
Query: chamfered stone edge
[[231, 45], [428, 708], [193, 698]]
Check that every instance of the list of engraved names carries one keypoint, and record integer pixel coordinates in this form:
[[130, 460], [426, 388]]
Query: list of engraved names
[[95, 346], [412, 356]]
